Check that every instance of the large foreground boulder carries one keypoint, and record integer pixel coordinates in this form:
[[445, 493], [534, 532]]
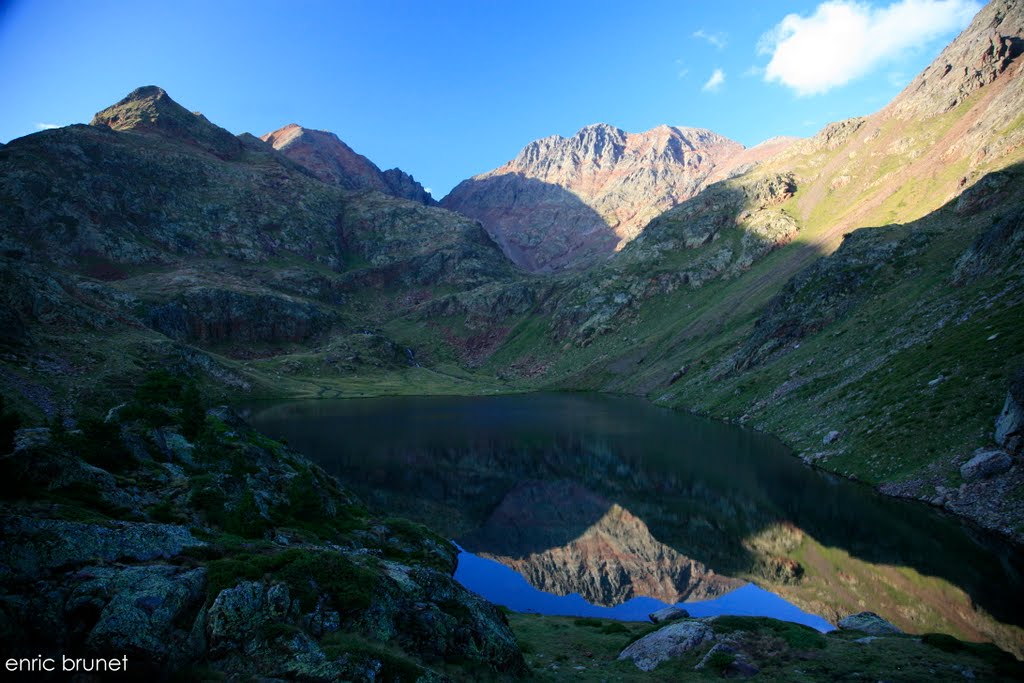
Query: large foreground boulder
[[667, 643]]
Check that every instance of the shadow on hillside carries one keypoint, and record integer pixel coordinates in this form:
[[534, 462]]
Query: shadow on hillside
[[540, 226]]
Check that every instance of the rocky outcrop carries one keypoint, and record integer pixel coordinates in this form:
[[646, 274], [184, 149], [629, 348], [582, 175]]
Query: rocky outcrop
[[296, 583], [990, 46], [1010, 423], [570, 202], [216, 316], [985, 464], [667, 643], [151, 613], [33, 546], [999, 247], [328, 158], [868, 622], [404, 186]]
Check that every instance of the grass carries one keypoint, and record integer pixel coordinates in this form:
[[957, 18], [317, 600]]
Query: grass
[[565, 648]]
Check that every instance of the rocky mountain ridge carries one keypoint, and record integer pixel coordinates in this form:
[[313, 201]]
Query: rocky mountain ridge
[[332, 161], [571, 202]]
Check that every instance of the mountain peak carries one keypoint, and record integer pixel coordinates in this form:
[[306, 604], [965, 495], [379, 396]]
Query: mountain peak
[[565, 202], [327, 157], [286, 135], [986, 50], [145, 107], [150, 109]]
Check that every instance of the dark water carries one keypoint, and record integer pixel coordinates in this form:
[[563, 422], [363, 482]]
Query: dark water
[[609, 503]]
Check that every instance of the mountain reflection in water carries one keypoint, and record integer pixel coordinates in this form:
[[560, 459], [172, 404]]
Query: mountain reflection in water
[[613, 499]]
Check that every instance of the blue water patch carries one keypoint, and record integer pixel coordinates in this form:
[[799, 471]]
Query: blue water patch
[[504, 586]]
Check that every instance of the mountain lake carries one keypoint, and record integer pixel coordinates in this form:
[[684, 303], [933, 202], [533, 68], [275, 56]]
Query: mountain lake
[[608, 506]]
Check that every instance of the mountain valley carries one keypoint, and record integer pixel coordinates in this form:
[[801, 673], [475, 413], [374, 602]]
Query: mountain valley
[[857, 294]]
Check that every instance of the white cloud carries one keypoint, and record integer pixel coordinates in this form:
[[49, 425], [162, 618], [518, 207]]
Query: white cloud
[[846, 39], [716, 39], [715, 82], [47, 126]]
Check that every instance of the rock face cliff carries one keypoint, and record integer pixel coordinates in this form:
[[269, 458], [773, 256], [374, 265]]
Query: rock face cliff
[[570, 202], [332, 161]]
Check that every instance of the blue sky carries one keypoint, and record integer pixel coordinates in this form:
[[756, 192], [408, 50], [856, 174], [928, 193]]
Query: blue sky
[[446, 89]]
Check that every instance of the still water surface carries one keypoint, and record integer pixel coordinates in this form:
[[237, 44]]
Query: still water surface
[[608, 506]]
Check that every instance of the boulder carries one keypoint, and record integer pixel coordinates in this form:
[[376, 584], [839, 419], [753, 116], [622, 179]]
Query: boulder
[[173, 446], [35, 545], [868, 622], [831, 437], [985, 464], [150, 613], [672, 641], [239, 613], [668, 614], [1010, 423]]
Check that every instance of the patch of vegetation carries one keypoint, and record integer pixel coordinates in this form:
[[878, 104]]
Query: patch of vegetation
[[395, 665], [720, 661], [99, 443], [308, 573], [10, 422], [245, 519], [797, 636], [417, 544]]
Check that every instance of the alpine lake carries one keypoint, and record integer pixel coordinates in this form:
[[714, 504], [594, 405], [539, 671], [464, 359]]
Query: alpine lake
[[608, 506]]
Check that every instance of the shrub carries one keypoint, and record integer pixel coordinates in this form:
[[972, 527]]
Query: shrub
[[99, 443]]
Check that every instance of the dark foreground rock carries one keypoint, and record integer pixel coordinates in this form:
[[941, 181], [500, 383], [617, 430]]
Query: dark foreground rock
[[198, 548]]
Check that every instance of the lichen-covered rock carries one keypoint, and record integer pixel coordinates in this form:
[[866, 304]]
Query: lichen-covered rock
[[239, 613], [674, 640], [868, 622], [175, 447], [430, 613], [32, 546], [985, 464], [150, 613]]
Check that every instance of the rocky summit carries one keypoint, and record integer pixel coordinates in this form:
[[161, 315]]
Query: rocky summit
[[571, 202], [332, 161]]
